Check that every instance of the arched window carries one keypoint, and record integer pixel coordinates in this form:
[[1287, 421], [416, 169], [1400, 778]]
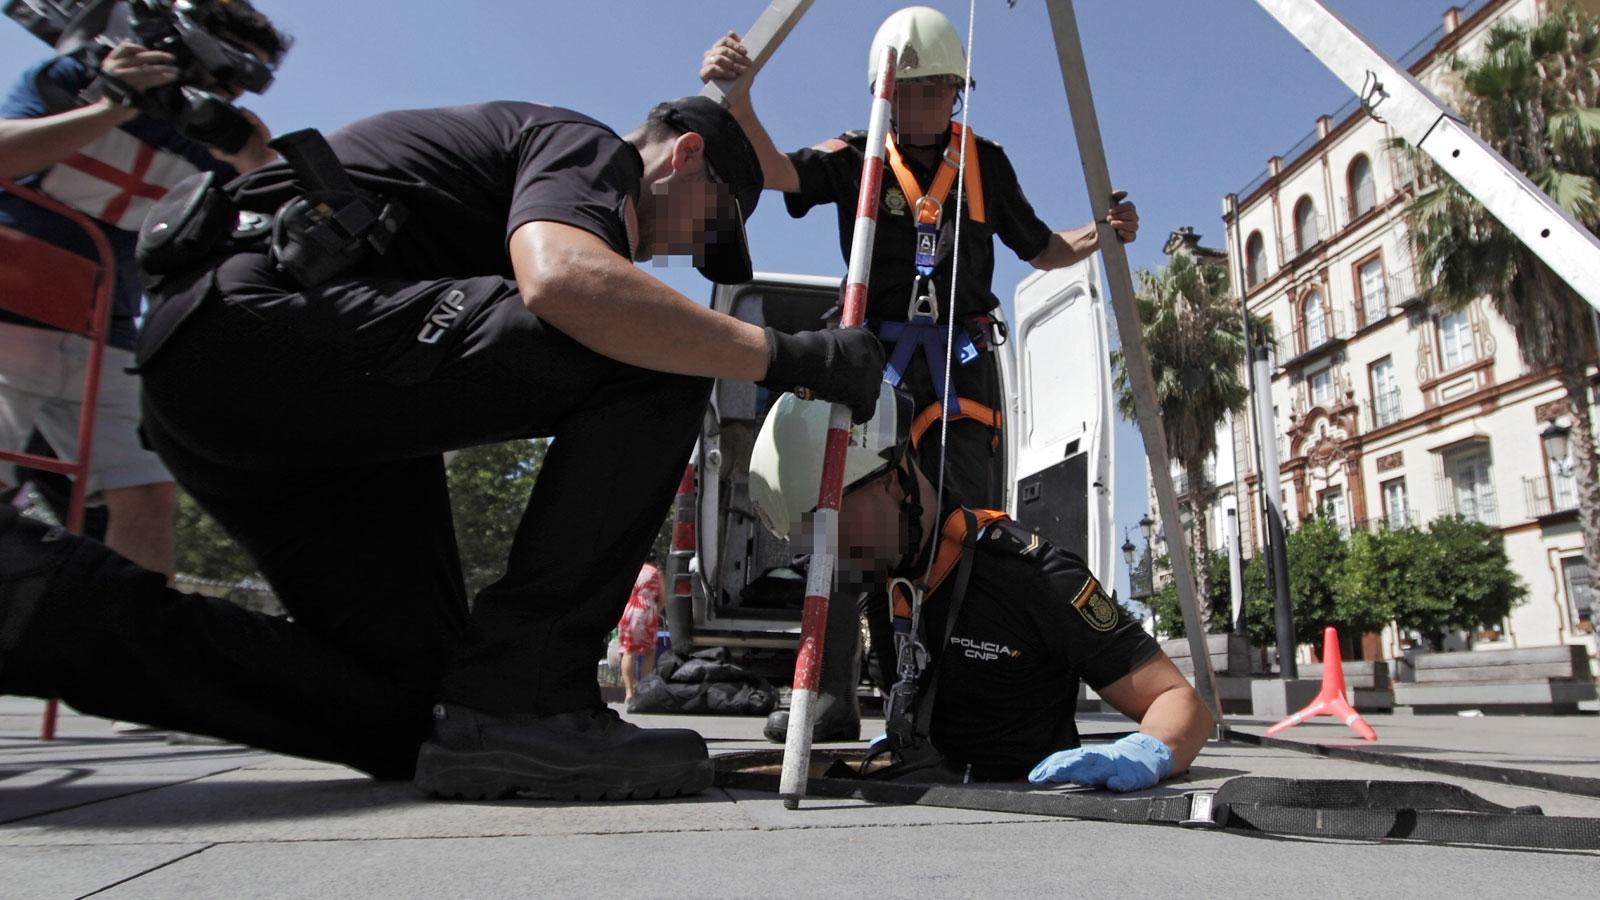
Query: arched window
[[1316, 322], [1363, 188], [1307, 225], [1255, 259]]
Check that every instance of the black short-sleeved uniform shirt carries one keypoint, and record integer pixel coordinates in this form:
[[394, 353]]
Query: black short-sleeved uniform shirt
[[470, 176], [1034, 623], [831, 173]]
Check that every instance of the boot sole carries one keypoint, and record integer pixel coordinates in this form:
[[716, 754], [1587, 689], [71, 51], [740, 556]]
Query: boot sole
[[498, 775]]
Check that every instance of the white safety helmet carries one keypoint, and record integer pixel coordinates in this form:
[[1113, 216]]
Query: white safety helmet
[[926, 44], [786, 462]]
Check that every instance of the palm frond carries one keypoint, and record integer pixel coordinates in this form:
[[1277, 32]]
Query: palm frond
[[1578, 194]]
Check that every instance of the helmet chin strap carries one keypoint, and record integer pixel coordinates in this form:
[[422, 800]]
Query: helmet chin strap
[[910, 564]]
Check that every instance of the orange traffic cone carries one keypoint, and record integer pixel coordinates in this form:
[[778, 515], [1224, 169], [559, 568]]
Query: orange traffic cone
[[1330, 700]]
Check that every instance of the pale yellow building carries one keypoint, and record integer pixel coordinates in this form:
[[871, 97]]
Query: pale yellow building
[[1387, 408]]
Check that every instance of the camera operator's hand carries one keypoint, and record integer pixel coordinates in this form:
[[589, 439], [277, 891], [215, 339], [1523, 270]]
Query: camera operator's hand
[[255, 153], [137, 68]]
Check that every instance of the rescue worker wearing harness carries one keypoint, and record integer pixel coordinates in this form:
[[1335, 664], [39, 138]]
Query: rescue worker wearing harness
[[910, 292], [322, 331], [994, 626]]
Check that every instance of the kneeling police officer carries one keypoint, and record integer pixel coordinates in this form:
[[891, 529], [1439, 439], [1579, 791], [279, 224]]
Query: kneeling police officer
[[990, 660], [323, 329]]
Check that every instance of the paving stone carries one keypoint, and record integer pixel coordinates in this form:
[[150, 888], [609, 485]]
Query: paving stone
[[44, 873], [1019, 859]]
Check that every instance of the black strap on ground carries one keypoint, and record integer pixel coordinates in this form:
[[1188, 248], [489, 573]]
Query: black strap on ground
[[1344, 809], [1544, 781]]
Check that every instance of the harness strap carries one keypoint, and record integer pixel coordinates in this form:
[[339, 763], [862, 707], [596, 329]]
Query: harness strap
[[966, 409], [953, 540], [1428, 812], [945, 177], [964, 550]]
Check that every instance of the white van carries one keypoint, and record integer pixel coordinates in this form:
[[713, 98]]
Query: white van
[[732, 585]]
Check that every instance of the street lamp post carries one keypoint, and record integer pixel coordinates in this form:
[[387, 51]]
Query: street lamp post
[[1140, 586]]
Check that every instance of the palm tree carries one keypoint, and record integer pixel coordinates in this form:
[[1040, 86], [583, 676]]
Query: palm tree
[[1195, 340], [1533, 95]]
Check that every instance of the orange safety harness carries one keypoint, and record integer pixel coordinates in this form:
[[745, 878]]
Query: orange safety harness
[[907, 715], [966, 409], [949, 167], [952, 537]]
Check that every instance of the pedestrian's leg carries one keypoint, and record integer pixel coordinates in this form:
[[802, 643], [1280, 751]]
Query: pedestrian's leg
[[30, 375], [647, 661], [140, 525], [629, 660], [138, 491]]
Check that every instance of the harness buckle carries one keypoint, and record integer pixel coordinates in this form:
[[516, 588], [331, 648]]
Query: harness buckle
[[1202, 810], [924, 301]]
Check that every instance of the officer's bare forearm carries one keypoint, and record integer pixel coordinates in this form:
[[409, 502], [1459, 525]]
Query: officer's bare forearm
[[1165, 705], [777, 169], [1178, 719], [1067, 247], [29, 145], [576, 282]]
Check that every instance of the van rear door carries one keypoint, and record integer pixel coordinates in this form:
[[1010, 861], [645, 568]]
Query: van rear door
[[1059, 421]]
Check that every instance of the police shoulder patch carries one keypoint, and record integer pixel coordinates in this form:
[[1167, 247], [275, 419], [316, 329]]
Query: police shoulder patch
[[1095, 607], [1009, 537], [831, 145]]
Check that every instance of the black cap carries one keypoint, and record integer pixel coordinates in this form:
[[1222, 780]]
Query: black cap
[[732, 161]]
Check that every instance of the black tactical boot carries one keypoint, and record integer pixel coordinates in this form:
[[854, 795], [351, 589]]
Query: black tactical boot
[[838, 707], [837, 720], [584, 755]]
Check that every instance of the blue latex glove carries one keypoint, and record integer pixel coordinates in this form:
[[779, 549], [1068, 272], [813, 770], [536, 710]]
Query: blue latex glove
[[1136, 762]]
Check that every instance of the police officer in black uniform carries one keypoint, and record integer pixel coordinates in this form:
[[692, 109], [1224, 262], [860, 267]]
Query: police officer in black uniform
[[921, 161], [423, 280], [1009, 623]]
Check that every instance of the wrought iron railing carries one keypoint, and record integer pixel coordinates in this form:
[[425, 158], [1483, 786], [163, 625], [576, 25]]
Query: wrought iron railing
[[1549, 495]]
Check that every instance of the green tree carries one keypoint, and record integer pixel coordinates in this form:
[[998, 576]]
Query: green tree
[[1195, 340], [1467, 579], [1316, 552], [1534, 95], [1258, 622], [1384, 572], [203, 549], [489, 488]]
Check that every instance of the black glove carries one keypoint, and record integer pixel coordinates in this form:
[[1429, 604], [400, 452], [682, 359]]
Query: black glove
[[843, 365]]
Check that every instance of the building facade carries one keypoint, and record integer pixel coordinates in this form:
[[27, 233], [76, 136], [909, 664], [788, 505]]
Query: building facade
[[1388, 409]]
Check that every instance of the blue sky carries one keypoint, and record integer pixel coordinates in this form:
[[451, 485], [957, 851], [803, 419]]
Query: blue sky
[[1192, 96]]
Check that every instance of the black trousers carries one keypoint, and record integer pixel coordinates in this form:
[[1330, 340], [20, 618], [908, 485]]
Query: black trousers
[[311, 425], [974, 463]]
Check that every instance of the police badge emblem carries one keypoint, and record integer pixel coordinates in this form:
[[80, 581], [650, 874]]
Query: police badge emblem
[[1095, 607], [894, 200]]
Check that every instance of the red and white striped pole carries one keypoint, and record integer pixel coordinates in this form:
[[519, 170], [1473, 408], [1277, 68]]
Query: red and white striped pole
[[825, 526]]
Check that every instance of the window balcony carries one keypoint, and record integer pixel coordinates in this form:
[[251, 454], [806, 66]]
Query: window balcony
[[1394, 519], [1310, 345], [1403, 290], [1550, 496], [1475, 502], [1384, 408]]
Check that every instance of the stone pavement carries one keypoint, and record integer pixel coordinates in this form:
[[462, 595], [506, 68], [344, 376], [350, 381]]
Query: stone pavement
[[98, 813]]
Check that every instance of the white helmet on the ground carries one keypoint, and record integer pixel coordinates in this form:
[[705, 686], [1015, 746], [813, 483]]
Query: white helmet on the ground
[[786, 462], [926, 44]]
